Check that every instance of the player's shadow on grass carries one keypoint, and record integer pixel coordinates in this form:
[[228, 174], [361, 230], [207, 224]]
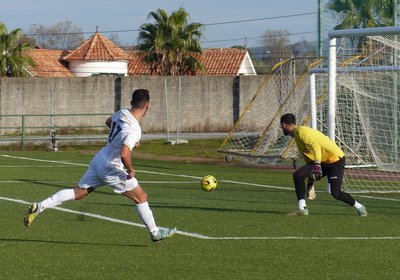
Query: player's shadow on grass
[[44, 183], [215, 209], [69, 242], [152, 166], [59, 186]]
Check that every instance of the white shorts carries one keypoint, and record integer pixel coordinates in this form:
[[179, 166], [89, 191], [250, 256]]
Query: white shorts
[[100, 175]]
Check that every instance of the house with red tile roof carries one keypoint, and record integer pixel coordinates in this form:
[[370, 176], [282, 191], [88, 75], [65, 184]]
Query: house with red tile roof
[[217, 62], [98, 56], [49, 63]]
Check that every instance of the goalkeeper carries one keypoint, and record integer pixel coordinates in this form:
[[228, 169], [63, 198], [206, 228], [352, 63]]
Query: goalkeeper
[[323, 158]]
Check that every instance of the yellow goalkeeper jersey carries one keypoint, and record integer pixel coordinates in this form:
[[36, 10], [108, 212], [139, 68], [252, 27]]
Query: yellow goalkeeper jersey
[[316, 146]]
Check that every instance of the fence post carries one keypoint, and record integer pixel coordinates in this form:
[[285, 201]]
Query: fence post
[[166, 106], [23, 132]]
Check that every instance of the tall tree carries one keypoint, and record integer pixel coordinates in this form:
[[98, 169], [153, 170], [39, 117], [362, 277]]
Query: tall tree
[[277, 42], [171, 43], [363, 13], [13, 60], [63, 35]]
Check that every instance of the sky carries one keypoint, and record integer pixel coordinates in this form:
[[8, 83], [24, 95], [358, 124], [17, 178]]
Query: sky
[[124, 17]]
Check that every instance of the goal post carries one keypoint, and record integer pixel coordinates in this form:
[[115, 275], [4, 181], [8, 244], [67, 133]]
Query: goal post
[[361, 113]]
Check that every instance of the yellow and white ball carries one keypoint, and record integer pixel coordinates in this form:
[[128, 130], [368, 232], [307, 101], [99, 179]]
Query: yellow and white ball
[[208, 183]]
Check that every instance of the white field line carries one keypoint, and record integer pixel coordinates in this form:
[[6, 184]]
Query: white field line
[[188, 176], [153, 172], [196, 235], [60, 181], [200, 236], [30, 166]]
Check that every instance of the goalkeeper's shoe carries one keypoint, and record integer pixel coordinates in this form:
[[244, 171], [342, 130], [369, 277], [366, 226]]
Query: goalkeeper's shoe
[[163, 233], [31, 214], [299, 212], [362, 211]]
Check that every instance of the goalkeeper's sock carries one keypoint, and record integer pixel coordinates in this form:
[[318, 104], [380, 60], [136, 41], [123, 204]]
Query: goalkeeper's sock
[[57, 199], [357, 205], [146, 215], [302, 204]]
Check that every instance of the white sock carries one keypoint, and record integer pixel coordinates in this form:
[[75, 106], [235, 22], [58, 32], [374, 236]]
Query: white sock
[[146, 215], [357, 205], [57, 199], [302, 204]]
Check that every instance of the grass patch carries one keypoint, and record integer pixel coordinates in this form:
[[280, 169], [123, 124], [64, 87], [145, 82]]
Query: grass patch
[[248, 203]]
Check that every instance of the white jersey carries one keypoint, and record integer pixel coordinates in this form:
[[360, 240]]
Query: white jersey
[[125, 130]]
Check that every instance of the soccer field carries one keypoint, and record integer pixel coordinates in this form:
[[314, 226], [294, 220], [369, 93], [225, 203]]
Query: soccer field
[[239, 231]]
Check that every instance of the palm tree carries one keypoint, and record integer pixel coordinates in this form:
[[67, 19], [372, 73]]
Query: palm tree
[[171, 43], [363, 13], [13, 61]]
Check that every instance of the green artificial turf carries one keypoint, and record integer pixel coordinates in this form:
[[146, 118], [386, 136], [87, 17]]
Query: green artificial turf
[[238, 231]]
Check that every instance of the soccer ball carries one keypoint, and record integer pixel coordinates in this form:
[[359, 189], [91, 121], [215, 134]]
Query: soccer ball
[[208, 183]]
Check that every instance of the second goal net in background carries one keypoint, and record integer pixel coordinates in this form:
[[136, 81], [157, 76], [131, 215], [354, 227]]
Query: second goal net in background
[[256, 137]]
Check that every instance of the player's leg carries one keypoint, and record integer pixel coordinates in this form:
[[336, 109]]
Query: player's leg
[[83, 189], [139, 196], [131, 189], [56, 199], [335, 173], [299, 177]]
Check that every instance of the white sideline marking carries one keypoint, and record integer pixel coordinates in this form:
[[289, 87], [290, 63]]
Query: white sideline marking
[[30, 166], [36, 181], [381, 198], [188, 176], [200, 236], [154, 172], [195, 235], [63, 181], [45, 160]]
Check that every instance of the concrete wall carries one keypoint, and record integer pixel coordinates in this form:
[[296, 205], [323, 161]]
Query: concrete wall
[[195, 104]]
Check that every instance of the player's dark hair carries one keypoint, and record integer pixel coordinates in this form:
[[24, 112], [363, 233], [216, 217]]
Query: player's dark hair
[[140, 98], [288, 118]]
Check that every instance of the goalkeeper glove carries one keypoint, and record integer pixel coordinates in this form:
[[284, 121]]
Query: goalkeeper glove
[[317, 172], [311, 195]]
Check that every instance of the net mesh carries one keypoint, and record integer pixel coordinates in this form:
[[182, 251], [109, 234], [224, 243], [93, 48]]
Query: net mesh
[[367, 111]]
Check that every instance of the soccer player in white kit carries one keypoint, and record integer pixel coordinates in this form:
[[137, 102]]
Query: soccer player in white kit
[[112, 166]]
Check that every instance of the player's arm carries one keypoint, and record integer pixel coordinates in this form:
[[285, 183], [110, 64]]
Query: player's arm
[[311, 142], [108, 122], [126, 160]]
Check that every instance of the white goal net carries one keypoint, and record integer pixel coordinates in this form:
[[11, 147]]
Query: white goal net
[[363, 107]]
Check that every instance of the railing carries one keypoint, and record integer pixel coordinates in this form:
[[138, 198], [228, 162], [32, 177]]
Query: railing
[[52, 129]]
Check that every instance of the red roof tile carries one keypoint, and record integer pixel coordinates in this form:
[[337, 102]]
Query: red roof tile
[[49, 63], [98, 48], [53, 63], [137, 65], [222, 62], [218, 62]]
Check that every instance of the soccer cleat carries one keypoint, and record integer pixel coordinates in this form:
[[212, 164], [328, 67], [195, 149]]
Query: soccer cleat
[[299, 212], [31, 214], [362, 211], [163, 233]]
